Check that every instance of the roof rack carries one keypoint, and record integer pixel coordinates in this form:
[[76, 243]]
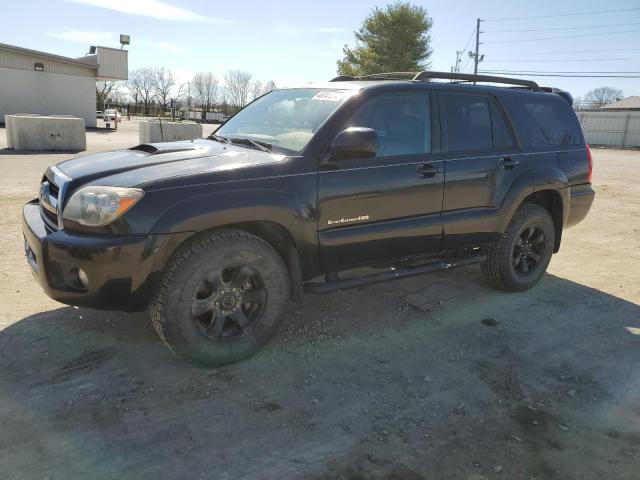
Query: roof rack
[[427, 75]]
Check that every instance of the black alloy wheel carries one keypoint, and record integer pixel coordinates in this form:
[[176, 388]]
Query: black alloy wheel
[[528, 250], [228, 302]]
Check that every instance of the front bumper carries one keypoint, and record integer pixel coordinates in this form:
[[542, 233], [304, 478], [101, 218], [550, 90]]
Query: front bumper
[[122, 269], [580, 201]]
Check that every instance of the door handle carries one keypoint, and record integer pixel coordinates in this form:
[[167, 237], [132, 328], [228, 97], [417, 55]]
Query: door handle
[[427, 170], [508, 163]]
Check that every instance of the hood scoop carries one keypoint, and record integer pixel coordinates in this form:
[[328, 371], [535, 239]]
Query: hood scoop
[[160, 148]]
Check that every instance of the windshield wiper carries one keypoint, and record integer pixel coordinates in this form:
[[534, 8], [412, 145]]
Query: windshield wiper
[[260, 145], [218, 138]]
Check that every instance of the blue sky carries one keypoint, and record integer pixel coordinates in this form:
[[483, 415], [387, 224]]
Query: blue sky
[[298, 41]]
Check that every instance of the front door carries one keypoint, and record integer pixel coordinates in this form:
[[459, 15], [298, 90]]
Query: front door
[[386, 207]]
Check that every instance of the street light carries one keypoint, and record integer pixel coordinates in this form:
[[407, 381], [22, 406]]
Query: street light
[[124, 40]]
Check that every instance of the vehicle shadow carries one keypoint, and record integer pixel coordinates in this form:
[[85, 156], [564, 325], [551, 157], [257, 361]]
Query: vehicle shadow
[[432, 377], [102, 130]]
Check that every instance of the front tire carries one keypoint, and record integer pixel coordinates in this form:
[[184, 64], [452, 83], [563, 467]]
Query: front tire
[[520, 258], [220, 298]]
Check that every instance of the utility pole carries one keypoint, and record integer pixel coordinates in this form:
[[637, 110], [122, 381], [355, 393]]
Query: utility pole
[[475, 68], [456, 68], [477, 58]]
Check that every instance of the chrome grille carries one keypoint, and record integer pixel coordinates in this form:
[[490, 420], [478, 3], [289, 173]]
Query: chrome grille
[[48, 201], [52, 193]]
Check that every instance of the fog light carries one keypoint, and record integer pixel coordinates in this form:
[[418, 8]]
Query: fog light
[[83, 278]]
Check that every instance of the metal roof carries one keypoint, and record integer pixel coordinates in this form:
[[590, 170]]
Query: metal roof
[[50, 56], [625, 104]]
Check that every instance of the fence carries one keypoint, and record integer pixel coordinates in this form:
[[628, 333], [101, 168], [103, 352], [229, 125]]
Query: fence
[[612, 129]]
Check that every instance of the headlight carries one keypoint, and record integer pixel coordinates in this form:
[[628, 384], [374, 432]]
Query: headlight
[[98, 206]]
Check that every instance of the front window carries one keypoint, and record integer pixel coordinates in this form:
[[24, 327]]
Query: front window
[[285, 120]]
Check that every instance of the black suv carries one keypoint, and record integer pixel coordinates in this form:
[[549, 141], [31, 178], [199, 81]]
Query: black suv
[[316, 188]]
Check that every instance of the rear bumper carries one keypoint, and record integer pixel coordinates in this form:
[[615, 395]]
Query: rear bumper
[[122, 270], [580, 201]]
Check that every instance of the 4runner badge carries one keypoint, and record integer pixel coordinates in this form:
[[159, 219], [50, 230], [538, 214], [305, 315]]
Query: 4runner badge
[[360, 218]]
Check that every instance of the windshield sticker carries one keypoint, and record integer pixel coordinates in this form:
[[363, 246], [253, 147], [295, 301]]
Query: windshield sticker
[[331, 95]]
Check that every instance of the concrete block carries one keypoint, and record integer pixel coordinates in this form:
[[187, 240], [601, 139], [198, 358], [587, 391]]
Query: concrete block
[[31, 132], [150, 131]]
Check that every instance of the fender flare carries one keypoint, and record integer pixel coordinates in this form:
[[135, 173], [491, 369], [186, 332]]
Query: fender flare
[[212, 210], [520, 189], [542, 179]]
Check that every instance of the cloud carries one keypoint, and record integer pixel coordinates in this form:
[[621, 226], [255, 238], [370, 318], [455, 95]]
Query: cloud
[[164, 46], [112, 39], [295, 31], [328, 30], [87, 37], [150, 8]]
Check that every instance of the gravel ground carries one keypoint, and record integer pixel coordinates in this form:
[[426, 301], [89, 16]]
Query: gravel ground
[[426, 378]]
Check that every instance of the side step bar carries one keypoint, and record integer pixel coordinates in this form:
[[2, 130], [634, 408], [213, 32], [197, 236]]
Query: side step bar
[[325, 287]]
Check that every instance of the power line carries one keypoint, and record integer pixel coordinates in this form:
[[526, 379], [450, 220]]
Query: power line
[[568, 52], [564, 71], [563, 28], [568, 60], [574, 14], [464, 65], [565, 36], [460, 53], [505, 72], [469, 40]]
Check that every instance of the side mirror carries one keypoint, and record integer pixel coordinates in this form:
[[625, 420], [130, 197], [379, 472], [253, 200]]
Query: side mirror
[[355, 142]]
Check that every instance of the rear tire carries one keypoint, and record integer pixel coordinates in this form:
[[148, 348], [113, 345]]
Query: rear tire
[[520, 258], [220, 298]]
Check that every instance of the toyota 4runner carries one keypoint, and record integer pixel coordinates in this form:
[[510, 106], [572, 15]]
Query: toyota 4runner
[[316, 188]]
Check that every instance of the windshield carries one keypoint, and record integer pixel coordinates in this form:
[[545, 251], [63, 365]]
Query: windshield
[[284, 119]]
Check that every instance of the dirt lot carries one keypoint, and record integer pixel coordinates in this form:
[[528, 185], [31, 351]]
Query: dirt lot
[[432, 377]]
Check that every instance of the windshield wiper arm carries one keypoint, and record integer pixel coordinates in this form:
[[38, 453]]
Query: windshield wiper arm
[[260, 145], [218, 138]]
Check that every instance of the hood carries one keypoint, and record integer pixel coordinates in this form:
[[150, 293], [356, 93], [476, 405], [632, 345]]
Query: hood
[[154, 162], [89, 167]]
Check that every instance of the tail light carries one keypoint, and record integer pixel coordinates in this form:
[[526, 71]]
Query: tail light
[[590, 160]]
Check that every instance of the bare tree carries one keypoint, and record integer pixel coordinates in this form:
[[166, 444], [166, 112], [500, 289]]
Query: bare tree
[[134, 89], [181, 97], [103, 91], [258, 88], [238, 83], [163, 83], [205, 90], [268, 87], [141, 84], [601, 96], [117, 97]]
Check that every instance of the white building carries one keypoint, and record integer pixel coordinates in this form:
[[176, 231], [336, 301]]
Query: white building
[[42, 83]]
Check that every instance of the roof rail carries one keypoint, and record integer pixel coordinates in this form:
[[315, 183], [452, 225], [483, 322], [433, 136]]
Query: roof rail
[[427, 75]]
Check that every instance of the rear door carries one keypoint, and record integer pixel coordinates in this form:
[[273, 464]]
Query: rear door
[[386, 207], [481, 163]]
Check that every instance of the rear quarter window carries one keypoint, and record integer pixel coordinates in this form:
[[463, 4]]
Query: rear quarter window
[[548, 121]]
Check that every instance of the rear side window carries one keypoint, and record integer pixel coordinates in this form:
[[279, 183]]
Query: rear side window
[[502, 137], [468, 122], [402, 122], [550, 121]]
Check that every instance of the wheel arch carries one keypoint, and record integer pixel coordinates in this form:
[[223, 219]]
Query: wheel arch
[[282, 241], [552, 201], [275, 234]]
